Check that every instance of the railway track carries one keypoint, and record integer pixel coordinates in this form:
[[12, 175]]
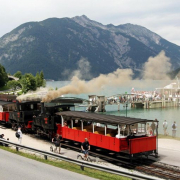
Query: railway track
[[161, 170]]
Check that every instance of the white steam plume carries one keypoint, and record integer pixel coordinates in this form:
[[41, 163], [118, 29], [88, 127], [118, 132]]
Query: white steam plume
[[33, 95], [77, 86]]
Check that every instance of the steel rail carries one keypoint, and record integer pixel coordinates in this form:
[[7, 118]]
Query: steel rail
[[82, 164]]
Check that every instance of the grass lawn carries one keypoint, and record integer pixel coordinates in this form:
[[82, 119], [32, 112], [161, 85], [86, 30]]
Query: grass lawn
[[69, 166]]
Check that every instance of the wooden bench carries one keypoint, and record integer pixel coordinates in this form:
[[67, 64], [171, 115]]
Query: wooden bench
[[98, 132], [77, 128]]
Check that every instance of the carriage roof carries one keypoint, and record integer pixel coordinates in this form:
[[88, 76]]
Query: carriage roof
[[109, 119], [2, 103]]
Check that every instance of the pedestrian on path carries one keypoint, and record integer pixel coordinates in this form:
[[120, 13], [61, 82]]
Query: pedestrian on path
[[57, 142], [85, 147], [20, 135], [165, 126], [174, 129]]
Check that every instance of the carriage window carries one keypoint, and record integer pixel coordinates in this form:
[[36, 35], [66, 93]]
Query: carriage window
[[32, 106], [76, 123], [1, 109], [72, 108], [141, 128], [134, 128]]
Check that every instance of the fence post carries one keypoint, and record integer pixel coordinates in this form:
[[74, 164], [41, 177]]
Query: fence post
[[17, 148], [82, 167], [45, 157]]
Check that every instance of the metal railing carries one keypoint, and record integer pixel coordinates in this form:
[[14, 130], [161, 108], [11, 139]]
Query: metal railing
[[81, 163]]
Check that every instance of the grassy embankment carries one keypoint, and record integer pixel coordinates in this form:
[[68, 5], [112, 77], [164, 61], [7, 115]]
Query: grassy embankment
[[161, 136], [68, 166]]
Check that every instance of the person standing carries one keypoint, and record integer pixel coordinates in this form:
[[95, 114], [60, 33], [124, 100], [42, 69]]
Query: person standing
[[165, 126], [153, 127], [148, 128], [156, 126], [20, 135], [174, 129]]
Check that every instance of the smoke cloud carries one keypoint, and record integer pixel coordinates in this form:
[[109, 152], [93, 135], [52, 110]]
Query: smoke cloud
[[156, 68], [77, 86]]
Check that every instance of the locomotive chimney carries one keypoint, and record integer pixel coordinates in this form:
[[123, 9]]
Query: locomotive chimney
[[42, 107]]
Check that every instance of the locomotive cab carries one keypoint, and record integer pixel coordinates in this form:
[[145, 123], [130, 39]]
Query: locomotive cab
[[23, 116], [46, 122]]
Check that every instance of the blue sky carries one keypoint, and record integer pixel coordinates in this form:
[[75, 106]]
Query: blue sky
[[159, 16]]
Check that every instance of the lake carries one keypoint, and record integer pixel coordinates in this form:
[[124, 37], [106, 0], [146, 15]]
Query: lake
[[170, 114]]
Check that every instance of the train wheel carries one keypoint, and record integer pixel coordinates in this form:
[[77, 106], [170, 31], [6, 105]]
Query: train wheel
[[55, 150], [79, 157], [89, 159]]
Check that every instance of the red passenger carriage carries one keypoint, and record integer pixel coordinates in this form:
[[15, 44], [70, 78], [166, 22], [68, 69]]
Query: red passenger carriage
[[115, 133], [7, 105]]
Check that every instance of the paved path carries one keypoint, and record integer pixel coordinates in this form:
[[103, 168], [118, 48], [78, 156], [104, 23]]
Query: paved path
[[169, 151], [13, 166]]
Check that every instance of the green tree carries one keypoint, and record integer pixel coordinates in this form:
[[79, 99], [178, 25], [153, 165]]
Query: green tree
[[28, 82], [3, 76], [38, 80], [43, 81], [14, 85], [42, 75], [18, 74]]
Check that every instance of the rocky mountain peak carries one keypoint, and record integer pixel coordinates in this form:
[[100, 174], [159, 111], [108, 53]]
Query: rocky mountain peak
[[140, 33], [85, 22], [56, 45]]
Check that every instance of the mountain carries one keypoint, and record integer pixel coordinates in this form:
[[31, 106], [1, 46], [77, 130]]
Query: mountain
[[175, 74], [56, 46]]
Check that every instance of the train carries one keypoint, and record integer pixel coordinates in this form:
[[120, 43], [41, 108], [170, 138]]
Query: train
[[108, 132]]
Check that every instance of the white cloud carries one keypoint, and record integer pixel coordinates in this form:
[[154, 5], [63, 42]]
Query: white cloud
[[155, 15]]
